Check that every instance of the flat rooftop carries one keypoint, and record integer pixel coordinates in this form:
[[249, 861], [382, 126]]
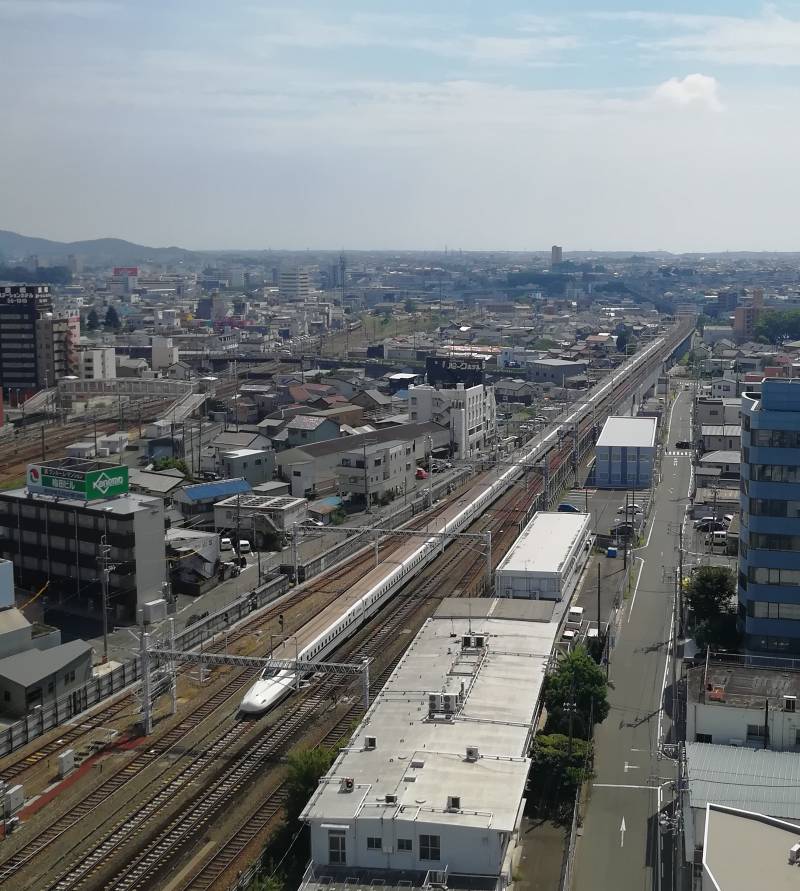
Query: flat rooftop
[[742, 686], [744, 850], [262, 502], [545, 543], [632, 433], [419, 754], [122, 504]]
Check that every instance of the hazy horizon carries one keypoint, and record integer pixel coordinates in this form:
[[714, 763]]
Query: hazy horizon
[[415, 126]]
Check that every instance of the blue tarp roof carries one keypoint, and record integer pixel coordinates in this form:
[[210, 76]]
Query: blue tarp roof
[[332, 500], [217, 489]]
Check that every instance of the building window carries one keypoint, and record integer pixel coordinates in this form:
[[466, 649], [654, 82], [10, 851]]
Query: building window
[[756, 730], [337, 850], [702, 737], [374, 843], [429, 847], [404, 844]]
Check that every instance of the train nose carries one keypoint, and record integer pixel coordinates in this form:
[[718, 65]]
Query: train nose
[[251, 704]]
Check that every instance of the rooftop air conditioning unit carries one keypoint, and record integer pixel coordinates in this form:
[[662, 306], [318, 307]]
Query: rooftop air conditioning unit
[[434, 702], [480, 641], [790, 703], [370, 742], [390, 799], [347, 784], [466, 641], [794, 854], [453, 802], [450, 702], [472, 753]]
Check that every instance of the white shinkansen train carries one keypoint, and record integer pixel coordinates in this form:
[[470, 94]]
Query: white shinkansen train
[[275, 684]]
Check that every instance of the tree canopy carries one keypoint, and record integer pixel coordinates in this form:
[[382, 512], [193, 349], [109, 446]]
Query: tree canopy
[[93, 320], [112, 319], [306, 766], [710, 592], [776, 326], [580, 681]]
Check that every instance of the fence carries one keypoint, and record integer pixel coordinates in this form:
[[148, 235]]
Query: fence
[[391, 520], [569, 853], [53, 714]]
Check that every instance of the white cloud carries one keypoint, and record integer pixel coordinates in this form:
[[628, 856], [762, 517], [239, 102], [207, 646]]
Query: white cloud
[[692, 90], [767, 39]]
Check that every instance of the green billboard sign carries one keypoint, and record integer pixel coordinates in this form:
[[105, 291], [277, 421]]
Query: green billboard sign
[[90, 485]]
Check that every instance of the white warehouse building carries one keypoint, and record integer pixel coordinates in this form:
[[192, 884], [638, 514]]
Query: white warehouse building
[[626, 453], [431, 786], [546, 561]]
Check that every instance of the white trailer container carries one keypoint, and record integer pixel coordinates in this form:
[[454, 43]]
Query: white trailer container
[[547, 559]]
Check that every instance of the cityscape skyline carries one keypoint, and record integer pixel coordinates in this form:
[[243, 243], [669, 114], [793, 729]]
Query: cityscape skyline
[[364, 128]]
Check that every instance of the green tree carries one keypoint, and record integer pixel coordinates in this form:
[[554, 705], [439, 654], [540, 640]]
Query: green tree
[[557, 768], [777, 326], [710, 592], [112, 321], [168, 463], [267, 883], [306, 767], [579, 686], [409, 306], [92, 320], [622, 340]]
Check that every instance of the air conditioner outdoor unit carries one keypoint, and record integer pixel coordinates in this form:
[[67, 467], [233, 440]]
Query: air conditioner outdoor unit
[[794, 854], [391, 799], [466, 641], [347, 784], [450, 701], [370, 742], [480, 641], [434, 702], [453, 802], [472, 753]]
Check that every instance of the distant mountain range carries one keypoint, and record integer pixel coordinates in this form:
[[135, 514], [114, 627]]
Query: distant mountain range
[[116, 251]]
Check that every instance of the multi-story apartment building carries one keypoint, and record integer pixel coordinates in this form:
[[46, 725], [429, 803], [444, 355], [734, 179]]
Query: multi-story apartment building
[[769, 537], [57, 337], [295, 284], [377, 470], [97, 363], [55, 540], [469, 413]]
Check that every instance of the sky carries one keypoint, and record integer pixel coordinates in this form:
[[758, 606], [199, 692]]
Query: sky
[[413, 125]]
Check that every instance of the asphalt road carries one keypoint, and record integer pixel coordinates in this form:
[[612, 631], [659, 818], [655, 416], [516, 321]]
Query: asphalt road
[[619, 848]]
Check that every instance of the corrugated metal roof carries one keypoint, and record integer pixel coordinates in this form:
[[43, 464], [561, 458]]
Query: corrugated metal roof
[[755, 779], [32, 666], [721, 430], [216, 489]]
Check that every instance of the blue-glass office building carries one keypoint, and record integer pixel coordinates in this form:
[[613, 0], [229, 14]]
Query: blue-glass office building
[[769, 541]]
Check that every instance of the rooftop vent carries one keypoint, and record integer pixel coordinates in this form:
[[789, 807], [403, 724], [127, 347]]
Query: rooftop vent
[[347, 784], [794, 854], [370, 742], [472, 753], [453, 802], [390, 799]]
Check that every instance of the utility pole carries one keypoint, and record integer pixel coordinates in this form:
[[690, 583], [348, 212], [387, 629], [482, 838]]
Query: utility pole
[[41, 430], [366, 476], [105, 549], [599, 629], [680, 578]]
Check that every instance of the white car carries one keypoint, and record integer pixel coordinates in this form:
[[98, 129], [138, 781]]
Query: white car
[[225, 544], [630, 508], [244, 546]]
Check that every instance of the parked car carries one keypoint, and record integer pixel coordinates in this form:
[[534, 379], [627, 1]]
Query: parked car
[[630, 508], [624, 530], [311, 522], [727, 519], [683, 444], [421, 474], [244, 546], [566, 508], [711, 526], [225, 544]]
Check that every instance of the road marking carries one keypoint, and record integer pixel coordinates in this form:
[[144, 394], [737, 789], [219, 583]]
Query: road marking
[[622, 833], [630, 767], [621, 786], [664, 680], [636, 589]]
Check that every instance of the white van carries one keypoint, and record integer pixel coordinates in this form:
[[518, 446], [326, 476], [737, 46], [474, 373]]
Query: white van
[[718, 541], [244, 546], [225, 544]]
